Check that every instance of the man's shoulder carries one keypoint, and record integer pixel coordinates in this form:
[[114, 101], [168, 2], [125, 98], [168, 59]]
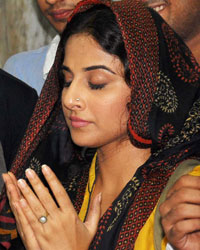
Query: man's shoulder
[[28, 66], [17, 102], [26, 56]]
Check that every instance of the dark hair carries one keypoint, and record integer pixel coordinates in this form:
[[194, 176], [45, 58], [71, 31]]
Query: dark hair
[[100, 22]]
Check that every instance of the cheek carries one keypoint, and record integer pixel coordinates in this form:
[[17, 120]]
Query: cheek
[[121, 113], [59, 26], [43, 7], [112, 112]]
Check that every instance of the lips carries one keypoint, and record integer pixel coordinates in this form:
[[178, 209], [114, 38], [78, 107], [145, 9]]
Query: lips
[[60, 14], [78, 123]]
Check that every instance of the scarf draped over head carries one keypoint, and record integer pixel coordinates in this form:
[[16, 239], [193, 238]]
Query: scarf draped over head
[[164, 111]]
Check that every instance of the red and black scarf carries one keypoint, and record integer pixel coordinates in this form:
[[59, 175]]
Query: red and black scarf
[[164, 115]]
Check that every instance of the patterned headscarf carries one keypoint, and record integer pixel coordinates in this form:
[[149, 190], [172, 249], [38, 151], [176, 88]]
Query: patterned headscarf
[[164, 111]]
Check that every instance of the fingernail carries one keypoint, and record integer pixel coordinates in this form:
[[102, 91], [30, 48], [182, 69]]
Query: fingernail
[[46, 170], [30, 173], [22, 183]]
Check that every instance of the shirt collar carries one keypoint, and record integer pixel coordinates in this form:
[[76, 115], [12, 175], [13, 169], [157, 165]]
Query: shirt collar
[[50, 56]]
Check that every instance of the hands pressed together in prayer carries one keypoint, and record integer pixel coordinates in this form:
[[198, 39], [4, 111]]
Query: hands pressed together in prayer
[[181, 214], [63, 228]]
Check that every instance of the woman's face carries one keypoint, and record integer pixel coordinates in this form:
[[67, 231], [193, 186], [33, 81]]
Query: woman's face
[[95, 93]]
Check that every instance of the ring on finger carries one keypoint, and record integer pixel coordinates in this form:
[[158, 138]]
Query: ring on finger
[[43, 219]]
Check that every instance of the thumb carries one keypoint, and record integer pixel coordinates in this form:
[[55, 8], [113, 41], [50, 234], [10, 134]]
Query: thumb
[[94, 215]]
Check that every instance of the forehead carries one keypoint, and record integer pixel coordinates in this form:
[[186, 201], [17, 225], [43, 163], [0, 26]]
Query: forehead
[[82, 51]]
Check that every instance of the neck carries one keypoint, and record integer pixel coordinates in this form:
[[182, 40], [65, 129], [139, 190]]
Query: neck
[[117, 164], [194, 45]]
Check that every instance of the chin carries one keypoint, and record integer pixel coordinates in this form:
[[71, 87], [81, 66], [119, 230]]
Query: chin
[[81, 142], [91, 139], [60, 27]]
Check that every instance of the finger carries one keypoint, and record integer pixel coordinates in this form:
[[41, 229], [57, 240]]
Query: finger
[[186, 181], [10, 179], [7, 181], [183, 195], [31, 218], [12, 192], [184, 227], [5, 178], [18, 220], [31, 198], [13, 197], [14, 180], [41, 191], [180, 213], [24, 228], [58, 190], [94, 215]]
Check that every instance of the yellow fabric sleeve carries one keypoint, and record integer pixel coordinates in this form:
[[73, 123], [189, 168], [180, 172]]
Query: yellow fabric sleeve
[[88, 190]]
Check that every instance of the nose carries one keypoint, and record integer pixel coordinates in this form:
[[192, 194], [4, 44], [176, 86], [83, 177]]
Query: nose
[[73, 97]]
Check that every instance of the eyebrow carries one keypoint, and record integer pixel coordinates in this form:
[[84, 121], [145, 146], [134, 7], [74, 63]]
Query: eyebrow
[[99, 67], [90, 68]]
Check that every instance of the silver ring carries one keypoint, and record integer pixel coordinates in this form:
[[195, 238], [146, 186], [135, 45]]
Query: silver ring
[[78, 99], [43, 219]]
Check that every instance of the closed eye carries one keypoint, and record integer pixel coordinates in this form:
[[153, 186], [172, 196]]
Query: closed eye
[[65, 79], [96, 86]]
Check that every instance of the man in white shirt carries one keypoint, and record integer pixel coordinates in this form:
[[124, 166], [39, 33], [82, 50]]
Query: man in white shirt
[[33, 66]]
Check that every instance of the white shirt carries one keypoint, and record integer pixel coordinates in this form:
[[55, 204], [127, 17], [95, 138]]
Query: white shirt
[[50, 56]]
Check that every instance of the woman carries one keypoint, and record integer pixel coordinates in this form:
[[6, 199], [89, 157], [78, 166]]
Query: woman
[[121, 84]]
